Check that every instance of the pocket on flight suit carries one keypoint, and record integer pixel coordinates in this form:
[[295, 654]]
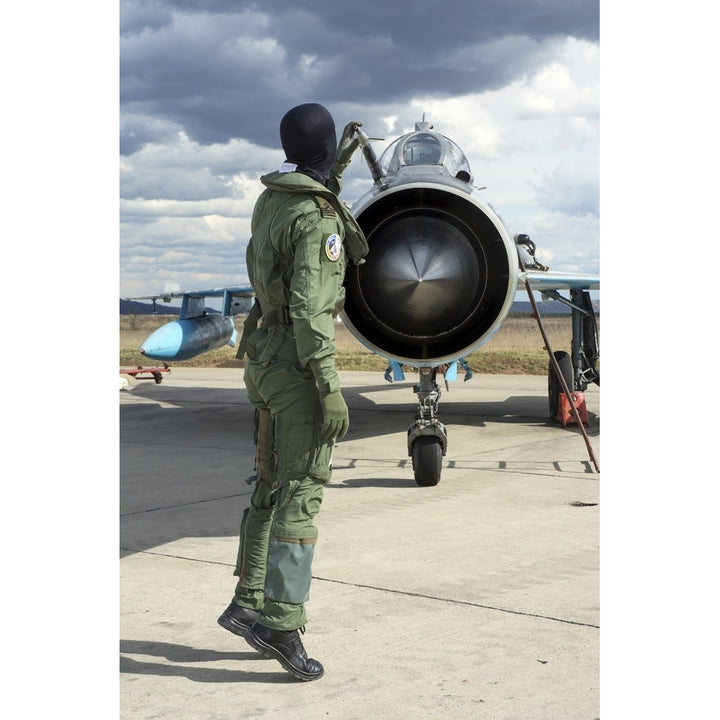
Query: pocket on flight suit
[[263, 345], [301, 453]]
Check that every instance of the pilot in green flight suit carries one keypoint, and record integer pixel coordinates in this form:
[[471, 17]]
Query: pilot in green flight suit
[[296, 259]]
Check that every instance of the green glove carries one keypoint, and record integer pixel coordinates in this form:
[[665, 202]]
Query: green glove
[[336, 420], [348, 144]]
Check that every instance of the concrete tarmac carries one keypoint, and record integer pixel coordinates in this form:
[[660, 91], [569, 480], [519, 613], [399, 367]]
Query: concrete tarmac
[[477, 598]]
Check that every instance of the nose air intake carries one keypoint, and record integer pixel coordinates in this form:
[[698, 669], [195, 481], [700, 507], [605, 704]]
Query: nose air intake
[[435, 280], [423, 274]]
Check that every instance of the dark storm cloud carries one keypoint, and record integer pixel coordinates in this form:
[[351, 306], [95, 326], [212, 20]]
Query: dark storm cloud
[[222, 69]]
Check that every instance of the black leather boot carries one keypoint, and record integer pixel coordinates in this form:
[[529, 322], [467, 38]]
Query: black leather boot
[[237, 619], [286, 647]]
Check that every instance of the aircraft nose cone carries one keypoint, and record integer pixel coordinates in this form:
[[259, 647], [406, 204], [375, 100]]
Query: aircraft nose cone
[[164, 343], [422, 275]]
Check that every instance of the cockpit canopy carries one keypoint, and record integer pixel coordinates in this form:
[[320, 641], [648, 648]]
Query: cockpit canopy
[[421, 149], [425, 151]]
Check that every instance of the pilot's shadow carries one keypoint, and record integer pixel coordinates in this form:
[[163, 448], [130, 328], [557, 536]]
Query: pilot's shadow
[[266, 671]]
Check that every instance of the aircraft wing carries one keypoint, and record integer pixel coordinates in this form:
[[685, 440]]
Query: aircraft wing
[[235, 290], [542, 281], [193, 301]]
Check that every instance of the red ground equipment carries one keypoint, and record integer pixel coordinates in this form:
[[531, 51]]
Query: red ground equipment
[[153, 373]]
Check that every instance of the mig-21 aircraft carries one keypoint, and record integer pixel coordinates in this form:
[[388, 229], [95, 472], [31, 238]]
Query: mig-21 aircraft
[[439, 279]]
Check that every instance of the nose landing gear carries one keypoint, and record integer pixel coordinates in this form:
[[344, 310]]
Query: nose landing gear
[[427, 436]]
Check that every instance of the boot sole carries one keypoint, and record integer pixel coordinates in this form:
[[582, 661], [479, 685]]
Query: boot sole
[[270, 652]]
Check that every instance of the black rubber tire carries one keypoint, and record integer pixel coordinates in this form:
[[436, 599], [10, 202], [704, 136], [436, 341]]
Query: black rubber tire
[[554, 385], [427, 460]]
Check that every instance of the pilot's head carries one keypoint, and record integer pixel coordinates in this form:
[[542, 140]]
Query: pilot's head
[[307, 133]]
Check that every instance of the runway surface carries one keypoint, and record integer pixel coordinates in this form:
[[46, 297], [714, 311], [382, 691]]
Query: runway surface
[[477, 598]]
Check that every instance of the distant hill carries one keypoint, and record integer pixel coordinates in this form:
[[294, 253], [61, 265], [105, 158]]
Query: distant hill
[[547, 307], [133, 307]]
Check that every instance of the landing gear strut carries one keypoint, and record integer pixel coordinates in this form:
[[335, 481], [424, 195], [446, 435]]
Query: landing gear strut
[[584, 357], [579, 367], [585, 343], [427, 437]]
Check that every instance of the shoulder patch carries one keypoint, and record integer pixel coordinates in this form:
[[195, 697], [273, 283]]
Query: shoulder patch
[[333, 247], [326, 209]]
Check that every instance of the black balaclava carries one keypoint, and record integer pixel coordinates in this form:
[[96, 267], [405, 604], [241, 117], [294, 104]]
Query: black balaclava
[[307, 133]]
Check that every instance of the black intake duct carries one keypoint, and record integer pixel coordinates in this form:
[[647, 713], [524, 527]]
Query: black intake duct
[[435, 279]]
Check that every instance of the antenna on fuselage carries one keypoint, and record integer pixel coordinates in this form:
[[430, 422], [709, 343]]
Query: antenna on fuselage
[[423, 126]]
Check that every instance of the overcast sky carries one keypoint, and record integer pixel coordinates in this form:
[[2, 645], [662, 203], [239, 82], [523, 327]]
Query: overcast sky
[[203, 85]]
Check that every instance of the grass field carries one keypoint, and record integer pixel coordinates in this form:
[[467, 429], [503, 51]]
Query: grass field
[[516, 349]]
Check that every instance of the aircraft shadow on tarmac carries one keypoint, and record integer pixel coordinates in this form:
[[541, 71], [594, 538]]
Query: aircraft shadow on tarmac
[[395, 417], [206, 434]]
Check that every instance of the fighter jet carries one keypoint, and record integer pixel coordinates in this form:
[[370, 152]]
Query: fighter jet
[[439, 280], [197, 330]]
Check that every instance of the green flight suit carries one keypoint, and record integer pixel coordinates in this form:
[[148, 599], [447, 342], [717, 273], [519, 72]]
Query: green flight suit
[[296, 261]]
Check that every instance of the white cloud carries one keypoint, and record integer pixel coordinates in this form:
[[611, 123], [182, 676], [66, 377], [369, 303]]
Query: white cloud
[[572, 186], [541, 168], [532, 142]]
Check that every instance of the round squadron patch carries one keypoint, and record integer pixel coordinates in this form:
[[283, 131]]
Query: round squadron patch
[[333, 247]]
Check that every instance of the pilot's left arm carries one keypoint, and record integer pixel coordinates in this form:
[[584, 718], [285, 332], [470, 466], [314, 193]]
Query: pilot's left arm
[[315, 292]]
